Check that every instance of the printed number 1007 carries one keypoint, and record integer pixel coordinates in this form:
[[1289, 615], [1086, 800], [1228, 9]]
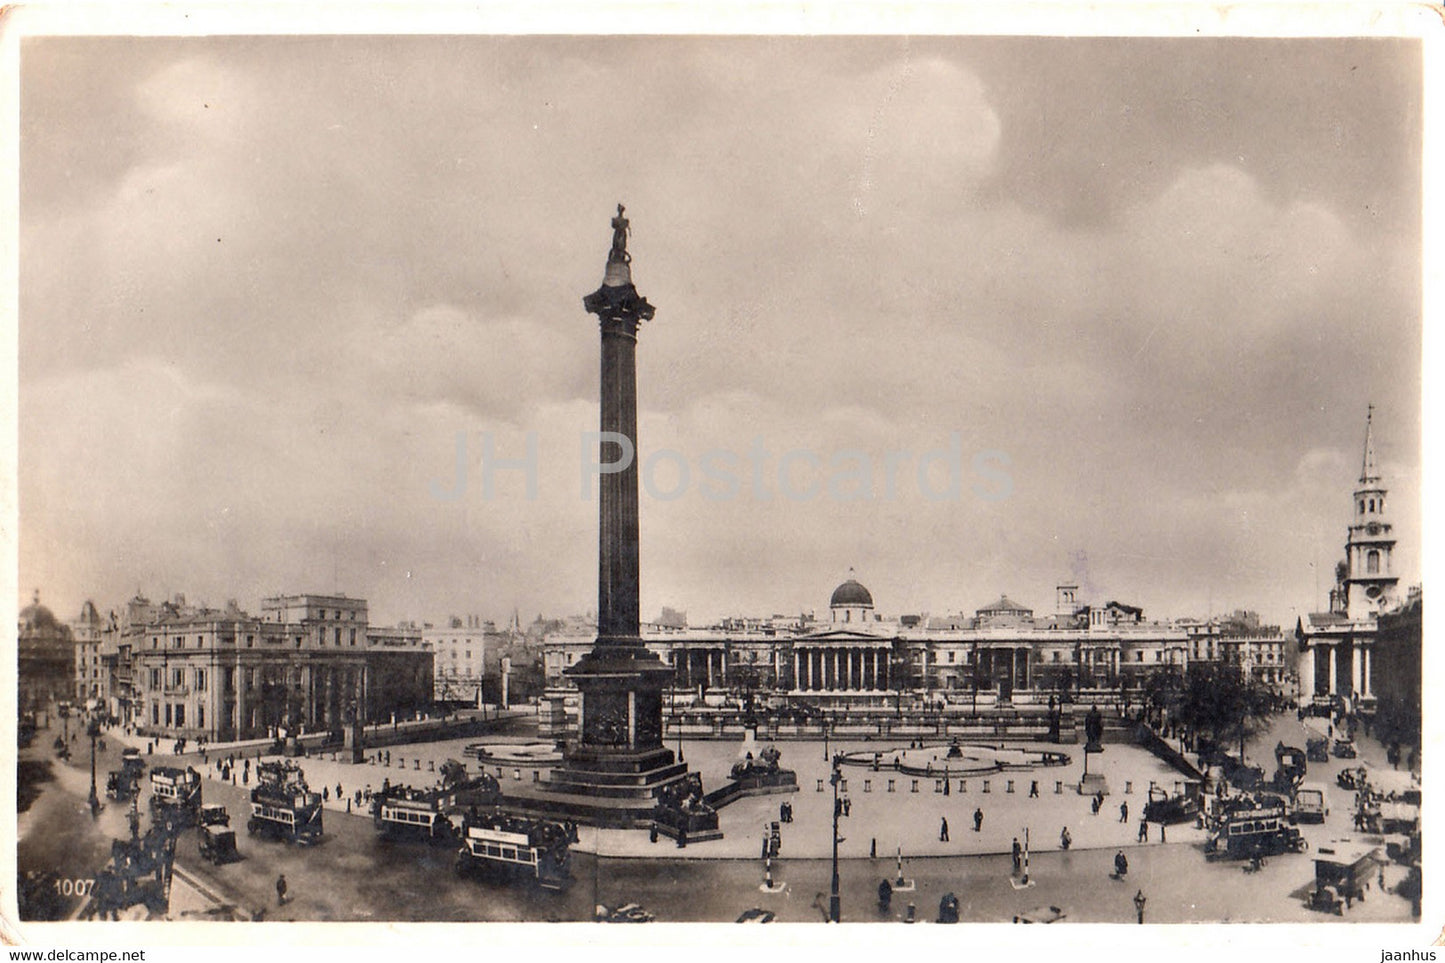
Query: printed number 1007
[[74, 887]]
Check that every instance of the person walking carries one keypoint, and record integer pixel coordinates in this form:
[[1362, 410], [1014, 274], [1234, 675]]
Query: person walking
[[1018, 855], [977, 820], [1161, 833], [1034, 789], [1143, 831], [281, 890], [1065, 840], [943, 830], [1124, 811], [1121, 864]]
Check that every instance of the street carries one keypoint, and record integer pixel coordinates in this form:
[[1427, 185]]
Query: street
[[354, 875]]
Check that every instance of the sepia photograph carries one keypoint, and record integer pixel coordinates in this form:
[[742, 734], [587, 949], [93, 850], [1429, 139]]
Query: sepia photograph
[[625, 474]]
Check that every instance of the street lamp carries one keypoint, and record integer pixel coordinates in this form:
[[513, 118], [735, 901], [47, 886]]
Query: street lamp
[[826, 755], [93, 730], [835, 906], [1139, 902]]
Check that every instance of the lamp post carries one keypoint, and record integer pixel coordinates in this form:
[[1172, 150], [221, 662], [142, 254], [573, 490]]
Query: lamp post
[[835, 906], [677, 720], [93, 730], [1139, 902], [826, 755]]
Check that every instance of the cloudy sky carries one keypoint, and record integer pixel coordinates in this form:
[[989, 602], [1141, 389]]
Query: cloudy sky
[[268, 283]]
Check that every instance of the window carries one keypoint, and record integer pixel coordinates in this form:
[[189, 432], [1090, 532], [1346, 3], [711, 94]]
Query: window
[[180, 715], [155, 715], [168, 713], [155, 642], [177, 679], [1372, 504], [200, 680], [201, 716], [176, 642], [338, 637], [200, 641], [1139, 655], [155, 678], [950, 656], [353, 636], [1372, 562], [250, 641]]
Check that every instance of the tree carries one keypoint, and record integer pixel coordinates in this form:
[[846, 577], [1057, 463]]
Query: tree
[[1219, 700]]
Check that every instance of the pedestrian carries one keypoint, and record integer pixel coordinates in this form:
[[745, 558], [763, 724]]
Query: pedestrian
[[339, 793], [1095, 806], [1161, 833], [326, 794], [1124, 811], [1018, 855], [1034, 789], [1065, 840], [943, 830], [281, 890], [1121, 864], [246, 778], [348, 805], [1143, 831], [977, 820], [847, 805], [783, 811]]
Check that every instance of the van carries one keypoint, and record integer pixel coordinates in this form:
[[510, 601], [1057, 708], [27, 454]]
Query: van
[[1311, 803]]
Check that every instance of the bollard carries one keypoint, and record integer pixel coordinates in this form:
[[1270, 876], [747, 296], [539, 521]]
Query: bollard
[[1009, 787], [1058, 786], [873, 848], [985, 785], [890, 785], [1128, 786], [915, 786], [417, 767], [820, 785], [867, 785], [963, 785], [517, 774]]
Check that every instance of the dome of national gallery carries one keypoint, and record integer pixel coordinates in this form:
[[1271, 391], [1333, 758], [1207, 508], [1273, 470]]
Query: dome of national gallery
[[851, 594]]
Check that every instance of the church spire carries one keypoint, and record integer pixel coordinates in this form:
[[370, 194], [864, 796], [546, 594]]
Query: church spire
[[1369, 474]]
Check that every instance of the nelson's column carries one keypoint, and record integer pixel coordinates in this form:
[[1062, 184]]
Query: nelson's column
[[614, 772]]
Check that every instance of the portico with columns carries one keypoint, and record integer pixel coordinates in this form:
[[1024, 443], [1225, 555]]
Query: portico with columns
[[842, 662], [1335, 647]]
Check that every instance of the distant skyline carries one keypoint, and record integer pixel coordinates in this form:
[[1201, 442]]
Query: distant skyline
[[266, 282]]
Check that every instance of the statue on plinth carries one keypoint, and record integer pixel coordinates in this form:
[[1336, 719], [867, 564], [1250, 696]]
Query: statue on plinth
[[619, 237], [1093, 730]]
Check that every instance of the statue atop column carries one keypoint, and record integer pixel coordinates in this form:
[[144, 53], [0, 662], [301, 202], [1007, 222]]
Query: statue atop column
[[619, 237]]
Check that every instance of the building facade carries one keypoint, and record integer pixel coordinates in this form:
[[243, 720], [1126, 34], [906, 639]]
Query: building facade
[[45, 657], [855, 659], [460, 648], [308, 663], [1336, 648]]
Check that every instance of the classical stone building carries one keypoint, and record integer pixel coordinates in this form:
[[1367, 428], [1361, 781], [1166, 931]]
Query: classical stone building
[[460, 648], [307, 662], [45, 658], [855, 659]]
